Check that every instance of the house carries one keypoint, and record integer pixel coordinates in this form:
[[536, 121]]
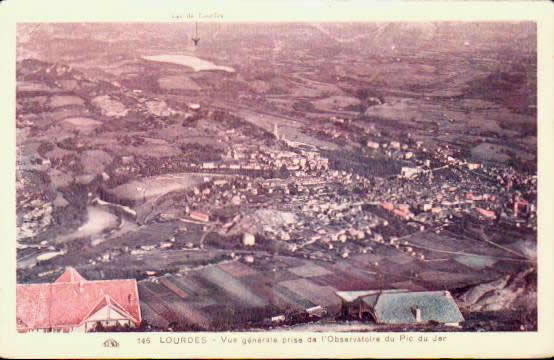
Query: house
[[397, 306], [426, 207], [199, 216], [74, 304], [408, 172], [248, 239], [278, 318], [394, 145], [489, 214], [403, 213], [372, 145], [387, 206], [318, 311], [521, 206]]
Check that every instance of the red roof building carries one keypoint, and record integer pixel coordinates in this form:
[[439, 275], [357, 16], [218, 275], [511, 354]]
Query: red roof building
[[387, 206], [199, 216], [521, 206], [486, 213], [72, 303], [402, 213]]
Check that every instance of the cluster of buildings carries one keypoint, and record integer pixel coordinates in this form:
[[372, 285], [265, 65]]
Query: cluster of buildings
[[338, 211], [240, 159], [244, 157], [439, 184], [38, 218]]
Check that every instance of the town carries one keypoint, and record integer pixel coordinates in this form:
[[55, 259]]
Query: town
[[249, 197]]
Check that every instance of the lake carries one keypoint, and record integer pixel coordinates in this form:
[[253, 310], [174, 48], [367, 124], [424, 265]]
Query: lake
[[195, 63]]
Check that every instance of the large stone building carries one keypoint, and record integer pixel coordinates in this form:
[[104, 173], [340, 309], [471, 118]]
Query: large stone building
[[72, 303]]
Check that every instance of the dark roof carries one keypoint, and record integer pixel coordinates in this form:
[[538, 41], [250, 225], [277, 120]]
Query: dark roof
[[398, 307], [350, 296]]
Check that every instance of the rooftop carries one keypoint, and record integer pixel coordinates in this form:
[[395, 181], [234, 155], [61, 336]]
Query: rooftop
[[69, 300], [397, 307]]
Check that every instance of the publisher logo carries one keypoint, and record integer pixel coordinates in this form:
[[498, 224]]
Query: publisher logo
[[111, 343]]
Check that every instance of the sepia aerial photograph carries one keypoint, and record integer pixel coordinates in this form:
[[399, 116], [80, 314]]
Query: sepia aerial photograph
[[202, 175]]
